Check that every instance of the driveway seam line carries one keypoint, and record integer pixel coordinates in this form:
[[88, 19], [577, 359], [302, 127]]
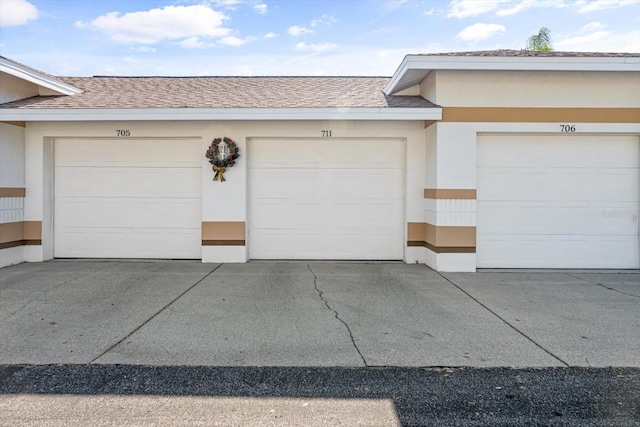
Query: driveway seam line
[[504, 320], [604, 286], [156, 314], [336, 315]]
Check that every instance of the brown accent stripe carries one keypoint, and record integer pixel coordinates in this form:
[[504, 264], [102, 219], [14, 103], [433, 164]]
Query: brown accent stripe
[[11, 232], [15, 243], [20, 124], [450, 193], [450, 250], [442, 239], [20, 233], [541, 115], [32, 230], [223, 230], [223, 243], [428, 123], [12, 192]]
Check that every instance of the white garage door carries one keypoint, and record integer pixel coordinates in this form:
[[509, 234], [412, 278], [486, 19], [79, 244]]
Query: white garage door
[[127, 198], [326, 199], [558, 201]]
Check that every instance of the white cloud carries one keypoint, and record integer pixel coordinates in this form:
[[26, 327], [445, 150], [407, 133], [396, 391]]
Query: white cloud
[[194, 43], [601, 41], [298, 31], [261, 8], [152, 26], [527, 4], [270, 36], [591, 6], [593, 26], [227, 4], [467, 8], [232, 41], [429, 12], [17, 12], [480, 31], [143, 49], [326, 20], [321, 47]]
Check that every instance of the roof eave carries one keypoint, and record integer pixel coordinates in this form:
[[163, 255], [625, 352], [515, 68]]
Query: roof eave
[[30, 75], [414, 68], [140, 114]]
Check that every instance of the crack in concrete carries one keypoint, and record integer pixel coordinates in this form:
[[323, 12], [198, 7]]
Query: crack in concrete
[[155, 315], [504, 320], [337, 316], [604, 286]]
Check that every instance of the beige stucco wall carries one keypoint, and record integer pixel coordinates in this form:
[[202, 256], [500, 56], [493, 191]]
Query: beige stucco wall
[[13, 88], [11, 187], [428, 87], [533, 89], [11, 156]]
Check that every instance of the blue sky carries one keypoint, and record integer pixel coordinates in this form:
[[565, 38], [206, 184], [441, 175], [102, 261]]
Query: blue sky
[[293, 37]]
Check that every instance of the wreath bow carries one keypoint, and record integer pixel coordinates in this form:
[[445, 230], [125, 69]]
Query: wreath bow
[[219, 171], [221, 164]]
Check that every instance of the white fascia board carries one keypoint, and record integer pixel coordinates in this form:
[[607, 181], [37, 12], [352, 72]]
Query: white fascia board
[[426, 64], [134, 114], [39, 79]]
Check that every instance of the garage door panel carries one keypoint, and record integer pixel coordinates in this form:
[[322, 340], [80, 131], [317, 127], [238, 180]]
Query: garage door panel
[[140, 153], [339, 153], [133, 213], [369, 184], [539, 151], [132, 198], [314, 244], [277, 183], [576, 218], [325, 213], [128, 182], [558, 185], [333, 200], [130, 243], [526, 251], [558, 201]]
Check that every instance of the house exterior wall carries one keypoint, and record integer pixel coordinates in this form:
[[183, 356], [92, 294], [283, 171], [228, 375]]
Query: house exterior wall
[[458, 88], [12, 192], [224, 205], [13, 88], [520, 102]]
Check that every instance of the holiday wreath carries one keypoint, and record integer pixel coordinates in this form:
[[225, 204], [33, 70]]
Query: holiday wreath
[[222, 156]]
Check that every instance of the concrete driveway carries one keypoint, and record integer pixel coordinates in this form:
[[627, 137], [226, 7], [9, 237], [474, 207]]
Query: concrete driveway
[[314, 314]]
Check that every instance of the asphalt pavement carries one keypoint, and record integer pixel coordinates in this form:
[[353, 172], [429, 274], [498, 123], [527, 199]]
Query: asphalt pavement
[[316, 343]]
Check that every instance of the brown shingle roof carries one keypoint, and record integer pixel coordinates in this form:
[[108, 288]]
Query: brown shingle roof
[[225, 92], [533, 53]]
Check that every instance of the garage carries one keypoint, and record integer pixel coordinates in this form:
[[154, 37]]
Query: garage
[[133, 198], [326, 198], [557, 201]]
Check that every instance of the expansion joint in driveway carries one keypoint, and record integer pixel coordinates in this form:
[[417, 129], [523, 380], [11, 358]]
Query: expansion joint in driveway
[[156, 313], [604, 286], [504, 320], [335, 313]]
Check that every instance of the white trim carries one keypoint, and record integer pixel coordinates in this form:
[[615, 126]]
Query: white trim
[[422, 65], [139, 114], [37, 78]]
